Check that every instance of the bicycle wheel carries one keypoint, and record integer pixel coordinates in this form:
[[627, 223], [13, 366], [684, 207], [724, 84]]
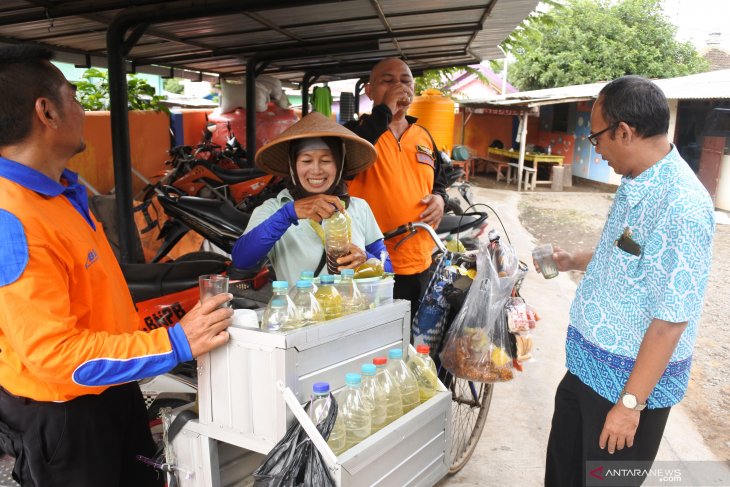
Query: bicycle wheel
[[469, 408]]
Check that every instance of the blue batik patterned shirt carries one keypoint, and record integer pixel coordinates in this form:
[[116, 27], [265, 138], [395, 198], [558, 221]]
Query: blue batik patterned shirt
[[670, 215]]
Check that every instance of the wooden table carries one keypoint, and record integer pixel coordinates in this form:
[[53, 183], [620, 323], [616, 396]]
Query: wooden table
[[534, 157]]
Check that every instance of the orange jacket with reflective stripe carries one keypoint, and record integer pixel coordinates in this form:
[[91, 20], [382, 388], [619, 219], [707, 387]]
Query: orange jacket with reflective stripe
[[68, 326]]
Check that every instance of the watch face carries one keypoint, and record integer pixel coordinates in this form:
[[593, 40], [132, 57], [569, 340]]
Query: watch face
[[629, 400]]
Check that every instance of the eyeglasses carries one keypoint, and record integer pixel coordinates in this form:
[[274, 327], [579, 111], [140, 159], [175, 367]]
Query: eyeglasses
[[593, 138]]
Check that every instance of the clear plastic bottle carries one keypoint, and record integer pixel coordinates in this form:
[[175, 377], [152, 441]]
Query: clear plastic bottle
[[352, 299], [355, 413], [336, 239], [328, 297], [307, 305], [393, 400], [404, 378], [373, 395], [280, 313], [309, 276], [319, 408], [425, 371]]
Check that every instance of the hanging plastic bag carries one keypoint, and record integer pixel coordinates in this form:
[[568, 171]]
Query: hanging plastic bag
[[294, 461], [478, 346]]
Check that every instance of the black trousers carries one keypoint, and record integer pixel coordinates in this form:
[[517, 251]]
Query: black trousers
[[576, 428], [410, 287], [86, 442]]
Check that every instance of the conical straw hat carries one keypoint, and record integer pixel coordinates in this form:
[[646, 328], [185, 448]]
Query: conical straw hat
[[274, 156]]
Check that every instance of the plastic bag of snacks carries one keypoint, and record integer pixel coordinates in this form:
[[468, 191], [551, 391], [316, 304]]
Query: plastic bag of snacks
[[478, 346]]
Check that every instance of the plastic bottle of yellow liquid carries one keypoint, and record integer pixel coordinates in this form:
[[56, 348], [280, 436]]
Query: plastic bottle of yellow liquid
[[336, 239], [329, 299], [454, 244], [404, 378], [319, 408], [307, 305], [373, 395], [425, 371], [393, 401], [355, 413], [352, 299]]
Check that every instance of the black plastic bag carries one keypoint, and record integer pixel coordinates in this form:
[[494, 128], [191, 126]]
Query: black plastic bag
[[295, 461]]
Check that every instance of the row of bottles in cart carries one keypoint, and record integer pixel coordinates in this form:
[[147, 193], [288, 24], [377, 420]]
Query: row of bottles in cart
[[384, 391], [309, 303]]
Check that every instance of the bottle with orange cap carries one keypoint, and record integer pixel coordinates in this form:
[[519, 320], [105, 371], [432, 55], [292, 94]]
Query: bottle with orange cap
[[424, 369]]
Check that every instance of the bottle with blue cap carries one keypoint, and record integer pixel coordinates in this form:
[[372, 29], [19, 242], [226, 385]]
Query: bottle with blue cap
[[328, 297], [352, 299], [404, 378], [309, 276], [355, 414], [306, 304], [280, 313], [319, 409], [373, 396]]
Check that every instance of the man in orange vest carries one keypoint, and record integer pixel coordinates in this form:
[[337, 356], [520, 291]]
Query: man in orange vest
[[71, 412], [406, 183]]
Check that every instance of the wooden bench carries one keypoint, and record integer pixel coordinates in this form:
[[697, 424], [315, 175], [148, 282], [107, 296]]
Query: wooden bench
[[501, 167], [530, 175]]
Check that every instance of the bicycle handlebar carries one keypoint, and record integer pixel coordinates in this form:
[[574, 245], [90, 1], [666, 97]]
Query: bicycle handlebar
[[411, 228]]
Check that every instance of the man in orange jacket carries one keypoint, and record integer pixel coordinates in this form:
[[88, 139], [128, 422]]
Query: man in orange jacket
[[406, 183], [71, 412]]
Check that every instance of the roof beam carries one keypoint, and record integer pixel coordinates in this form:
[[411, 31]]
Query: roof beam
[[175, 58], [53, 10]]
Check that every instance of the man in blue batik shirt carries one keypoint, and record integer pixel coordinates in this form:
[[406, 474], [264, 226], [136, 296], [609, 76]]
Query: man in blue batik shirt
[[634, 319]]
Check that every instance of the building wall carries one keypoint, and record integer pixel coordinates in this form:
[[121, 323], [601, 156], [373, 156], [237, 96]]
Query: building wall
[[481, 130]]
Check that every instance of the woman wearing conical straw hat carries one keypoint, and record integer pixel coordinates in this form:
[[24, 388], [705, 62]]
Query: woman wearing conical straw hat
[[315, 154]]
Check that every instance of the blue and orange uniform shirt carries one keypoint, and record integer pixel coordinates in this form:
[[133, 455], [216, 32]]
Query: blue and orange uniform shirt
[[68, 326]]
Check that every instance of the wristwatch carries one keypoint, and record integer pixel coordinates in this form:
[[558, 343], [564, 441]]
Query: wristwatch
[[630, 401]]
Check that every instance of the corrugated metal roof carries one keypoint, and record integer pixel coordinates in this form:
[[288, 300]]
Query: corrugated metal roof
[[427, 33], [710, 85]]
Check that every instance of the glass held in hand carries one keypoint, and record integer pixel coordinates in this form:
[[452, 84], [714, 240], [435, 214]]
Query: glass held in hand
[[543, 257], [212, 285]]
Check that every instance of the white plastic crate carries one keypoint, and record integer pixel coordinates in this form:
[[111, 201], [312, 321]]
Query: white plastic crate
[[237, 393]]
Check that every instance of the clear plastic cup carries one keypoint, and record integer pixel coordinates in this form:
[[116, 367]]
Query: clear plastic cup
[[212, 285], [543, 256]]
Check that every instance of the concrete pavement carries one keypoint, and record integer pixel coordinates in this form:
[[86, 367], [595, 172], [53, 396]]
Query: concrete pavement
[[511, 451]]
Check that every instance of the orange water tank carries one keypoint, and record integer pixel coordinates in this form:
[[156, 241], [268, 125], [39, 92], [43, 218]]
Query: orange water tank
[[435, 112]]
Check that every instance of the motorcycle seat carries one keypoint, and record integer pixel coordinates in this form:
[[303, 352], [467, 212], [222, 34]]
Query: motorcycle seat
[[221, 214], [233, 176], [148, 281], [460, 223]]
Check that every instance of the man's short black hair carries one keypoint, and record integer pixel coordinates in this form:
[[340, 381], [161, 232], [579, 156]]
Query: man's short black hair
[[25, 76], [638, 102]]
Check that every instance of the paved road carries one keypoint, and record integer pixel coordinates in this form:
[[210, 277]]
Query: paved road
[[512, 448]]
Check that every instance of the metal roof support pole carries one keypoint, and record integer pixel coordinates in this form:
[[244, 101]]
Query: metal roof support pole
[[523, 140], [117, 49], [251, 108], [307, 80], [359, 87]]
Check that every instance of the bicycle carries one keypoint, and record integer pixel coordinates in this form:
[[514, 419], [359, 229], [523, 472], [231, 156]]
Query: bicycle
[[470, 400]]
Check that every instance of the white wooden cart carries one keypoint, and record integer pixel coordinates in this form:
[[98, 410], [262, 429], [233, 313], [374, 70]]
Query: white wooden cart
[[243, 413]]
